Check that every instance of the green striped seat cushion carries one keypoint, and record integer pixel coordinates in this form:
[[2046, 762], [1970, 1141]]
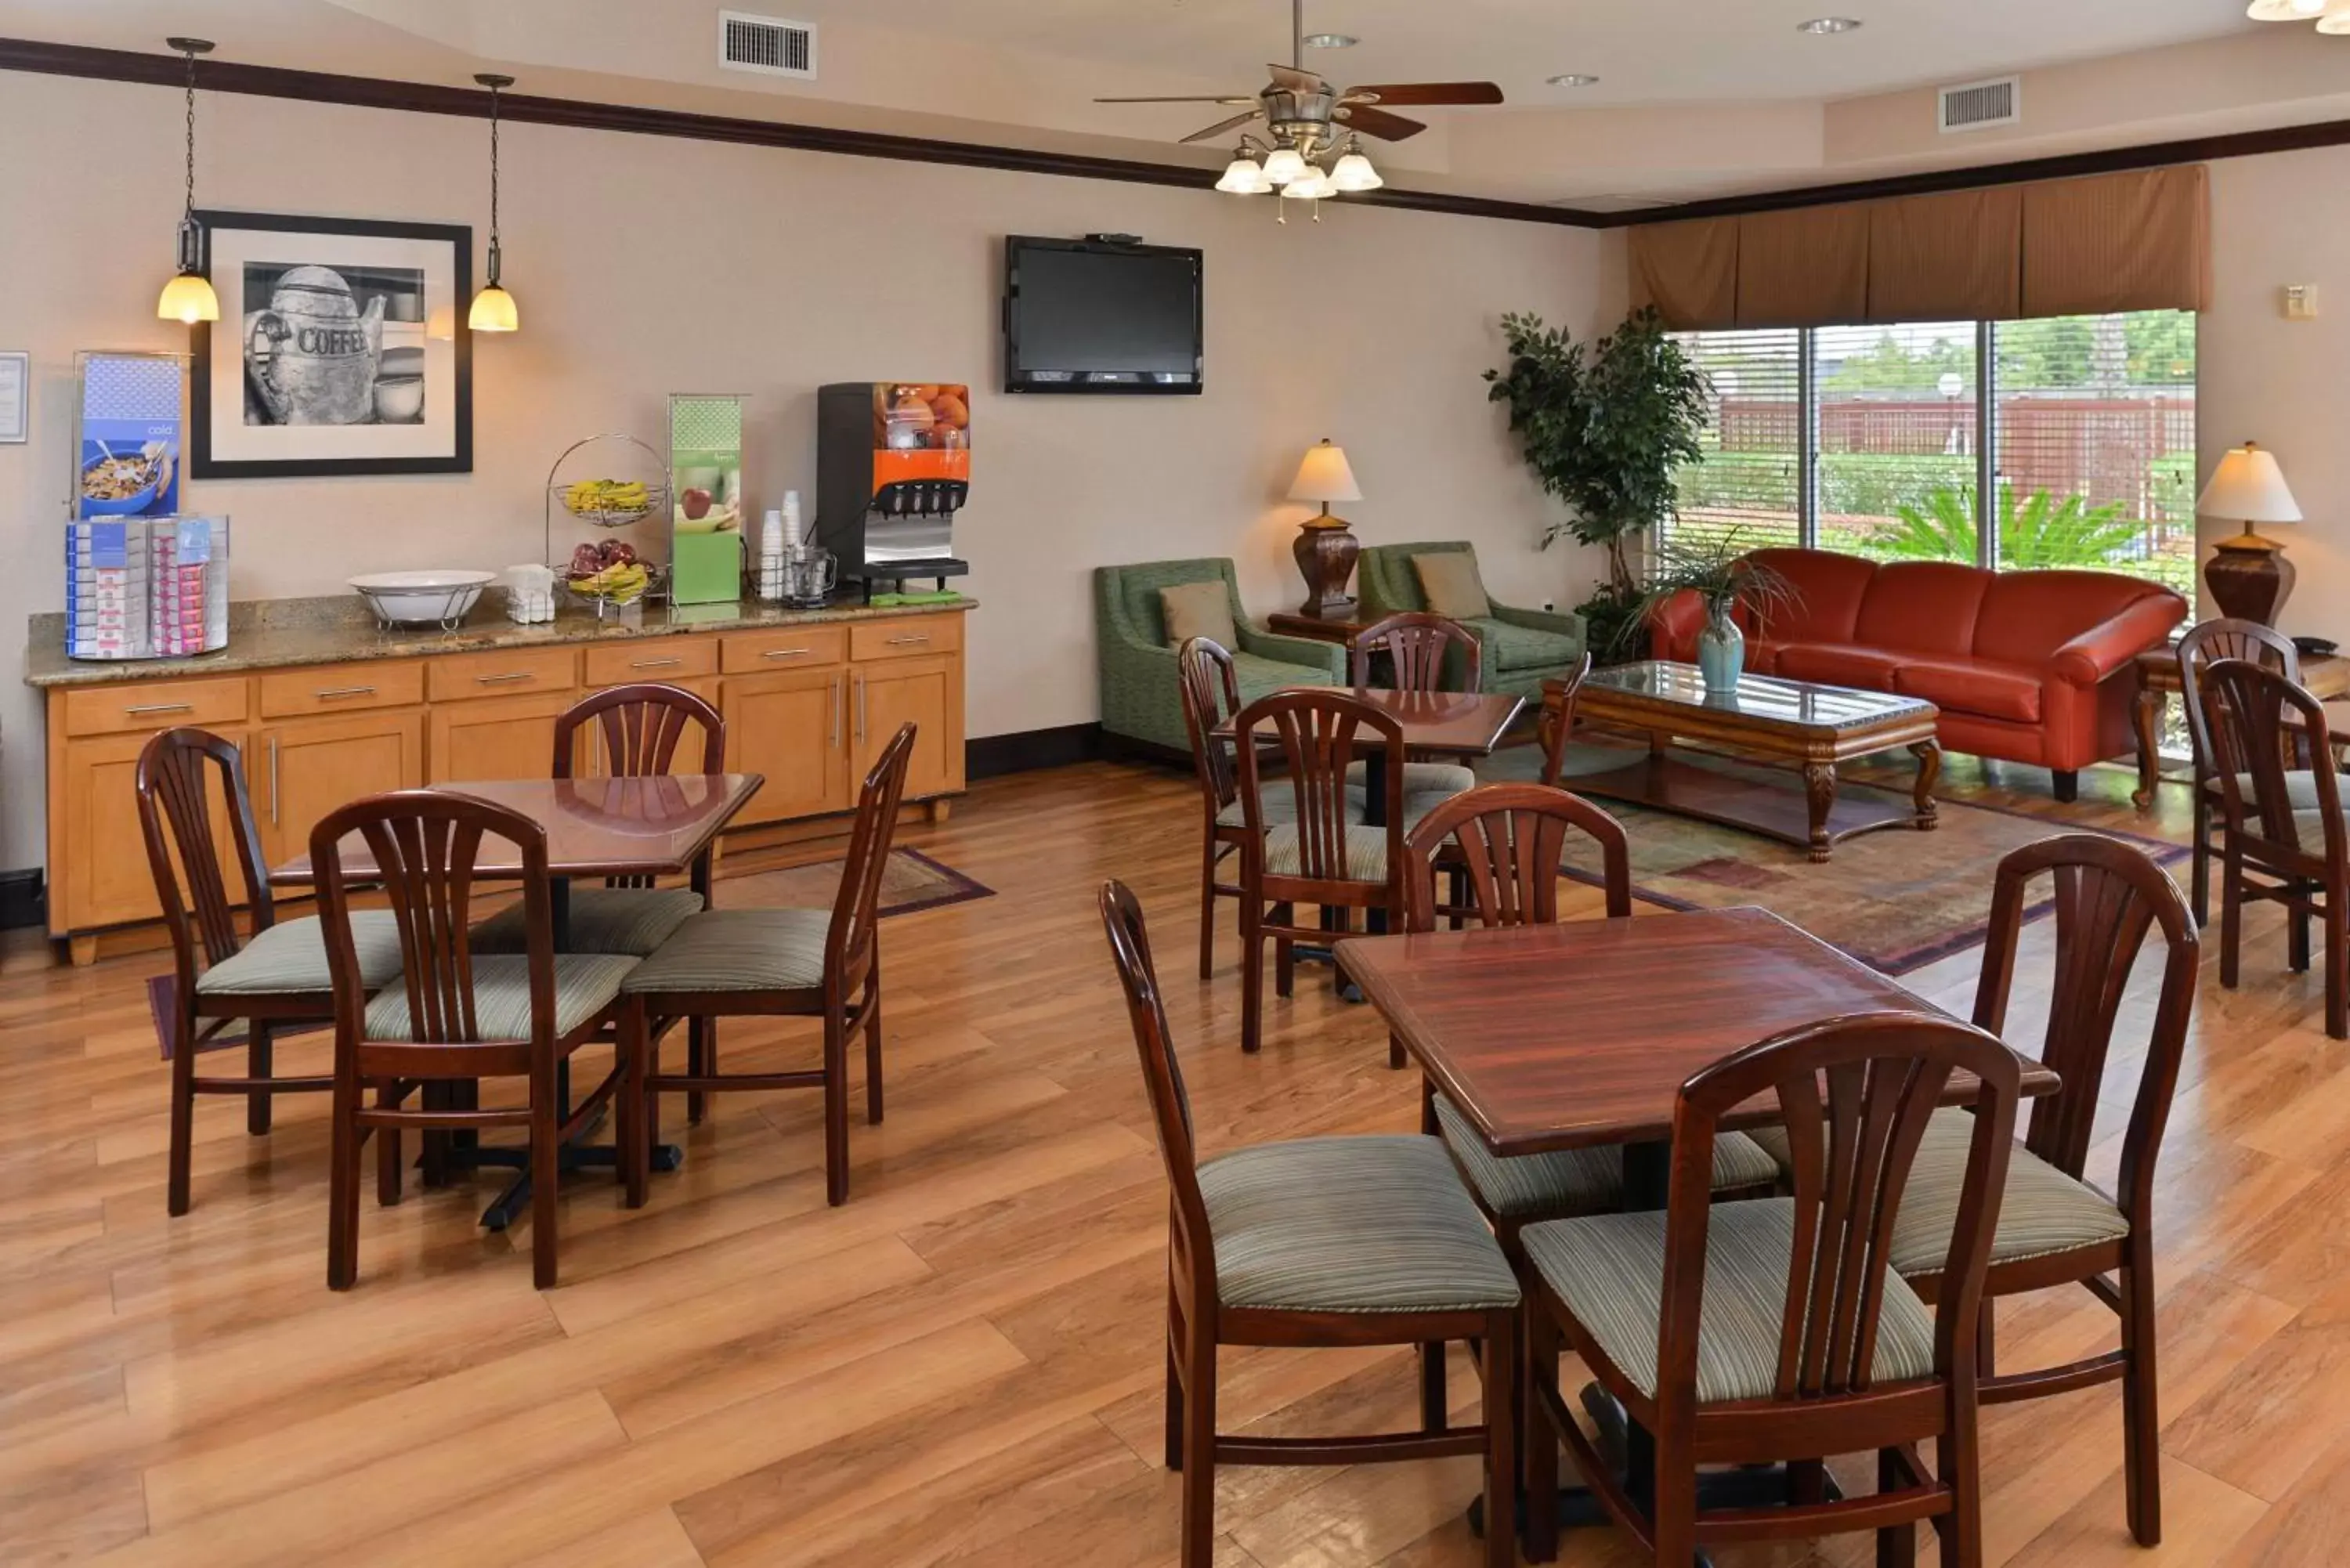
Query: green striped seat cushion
[[1353, 1225], [584, 984], [631, 922], [1577, 1180], [2042, 1212], [290, 958], [1421, 778], [1609, 1271], [738, 949], [1367, 853]]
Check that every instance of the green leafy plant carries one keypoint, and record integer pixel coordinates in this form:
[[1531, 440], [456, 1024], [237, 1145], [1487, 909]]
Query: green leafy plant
[[1718, 568], [1603, 427], [2034, 532]]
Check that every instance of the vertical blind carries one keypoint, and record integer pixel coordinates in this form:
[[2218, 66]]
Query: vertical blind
[[1749, 483]]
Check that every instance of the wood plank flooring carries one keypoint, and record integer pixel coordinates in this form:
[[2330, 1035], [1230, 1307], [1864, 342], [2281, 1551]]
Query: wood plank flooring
[[962, 1366]]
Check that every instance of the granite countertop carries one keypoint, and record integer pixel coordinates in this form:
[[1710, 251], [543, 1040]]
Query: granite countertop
[[266, 634]]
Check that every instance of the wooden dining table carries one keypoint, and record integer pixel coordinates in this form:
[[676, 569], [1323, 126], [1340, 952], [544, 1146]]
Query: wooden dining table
[[661, 826], [1580, 1035]]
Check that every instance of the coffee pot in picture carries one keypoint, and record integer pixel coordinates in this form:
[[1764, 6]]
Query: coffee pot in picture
[[311, 355]]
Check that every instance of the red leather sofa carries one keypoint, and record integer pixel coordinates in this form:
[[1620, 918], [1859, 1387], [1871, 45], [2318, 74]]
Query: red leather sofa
[[2029, 667]]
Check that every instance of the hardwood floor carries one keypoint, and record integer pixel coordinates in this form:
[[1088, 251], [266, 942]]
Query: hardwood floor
[[962, 1365]]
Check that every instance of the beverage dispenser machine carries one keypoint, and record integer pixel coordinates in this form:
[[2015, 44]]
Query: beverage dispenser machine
[[893, 467]]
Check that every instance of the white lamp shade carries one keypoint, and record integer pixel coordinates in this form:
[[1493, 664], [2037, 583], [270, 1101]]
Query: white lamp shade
[[188, 298], [1325, 476], [2248, 486], [1243, 177], [2337, 20], [1312, 185], [1353, 172], [494, 311], [1284, 164], [2285, 10]]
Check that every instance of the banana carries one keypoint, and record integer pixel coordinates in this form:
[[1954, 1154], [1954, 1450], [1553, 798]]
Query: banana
[[606, 495]]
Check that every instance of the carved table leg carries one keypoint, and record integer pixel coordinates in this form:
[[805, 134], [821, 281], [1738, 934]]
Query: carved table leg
[[1819, 794], [1930, 769], [2146, 713]]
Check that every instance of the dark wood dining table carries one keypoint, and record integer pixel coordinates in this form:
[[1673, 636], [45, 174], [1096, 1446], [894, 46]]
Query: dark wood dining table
[[1580, 1034], [663, 825]]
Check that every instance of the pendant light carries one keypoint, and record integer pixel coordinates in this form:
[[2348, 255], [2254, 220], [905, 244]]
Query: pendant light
[[493, 307], [1353, 172], [189, 296]]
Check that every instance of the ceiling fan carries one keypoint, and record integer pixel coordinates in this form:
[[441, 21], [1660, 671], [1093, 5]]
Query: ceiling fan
[[1307, 121]]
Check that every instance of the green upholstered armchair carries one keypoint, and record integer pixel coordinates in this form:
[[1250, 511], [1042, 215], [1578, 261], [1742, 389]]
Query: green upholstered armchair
[[1520, 649], [1141, 699]]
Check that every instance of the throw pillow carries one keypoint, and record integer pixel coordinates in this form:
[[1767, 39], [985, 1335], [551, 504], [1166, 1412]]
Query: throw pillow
[[1199, 610], [1448, 581]]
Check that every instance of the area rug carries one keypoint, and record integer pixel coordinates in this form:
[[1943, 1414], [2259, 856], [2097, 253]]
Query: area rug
[[1895, 898]]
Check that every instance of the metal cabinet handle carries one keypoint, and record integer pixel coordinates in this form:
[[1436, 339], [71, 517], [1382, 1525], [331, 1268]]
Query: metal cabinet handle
[[860, 707], [273, 781], [502, 679], [159, 708], [653, 663], [332, 693], [832, 738], [787, 653], [903, 641]]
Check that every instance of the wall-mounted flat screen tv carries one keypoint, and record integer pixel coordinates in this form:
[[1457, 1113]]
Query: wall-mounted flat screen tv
[[1088, 315]]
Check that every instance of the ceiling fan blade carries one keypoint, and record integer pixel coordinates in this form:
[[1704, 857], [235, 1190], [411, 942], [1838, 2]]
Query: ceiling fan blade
[[1290, 80], [1228, 99], [1427, 93], [1212, 132], [1377, 122]]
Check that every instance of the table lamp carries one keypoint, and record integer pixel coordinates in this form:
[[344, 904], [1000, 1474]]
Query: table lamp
[[2249, 578], [1325, 551]]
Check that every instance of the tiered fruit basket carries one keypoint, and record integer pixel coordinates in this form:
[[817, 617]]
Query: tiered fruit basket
[[608, 521]]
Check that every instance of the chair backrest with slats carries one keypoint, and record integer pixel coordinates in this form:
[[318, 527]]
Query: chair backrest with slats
[[2264, 725], [1509, 839], [1211, 693], [2108, 896], [1314, 733], [1162, 1077], [1554, 725], [1856, 1093], [638, 730], [175, 818], [857, 907], [1418, 645], [424, 844], [2225, 637]]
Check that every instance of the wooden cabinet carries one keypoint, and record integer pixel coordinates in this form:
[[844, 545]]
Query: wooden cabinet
[[303, 768], [499, 738], [920, 692], [98, 864], [792, 726]]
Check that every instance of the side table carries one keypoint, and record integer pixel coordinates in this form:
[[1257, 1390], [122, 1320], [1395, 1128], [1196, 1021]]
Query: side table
[[1289, 623], [2327, 676]]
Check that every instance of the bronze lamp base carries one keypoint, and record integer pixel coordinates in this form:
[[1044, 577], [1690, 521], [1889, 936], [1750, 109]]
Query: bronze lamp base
[[1325, 555], [2249, 578]]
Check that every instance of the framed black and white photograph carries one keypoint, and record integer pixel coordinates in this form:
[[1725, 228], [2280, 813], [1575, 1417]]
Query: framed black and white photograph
[[341, 348]]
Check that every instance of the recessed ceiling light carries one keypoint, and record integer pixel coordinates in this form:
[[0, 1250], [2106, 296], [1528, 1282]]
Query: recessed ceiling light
[[1331, 40], [1573, 79], [1822, 26]]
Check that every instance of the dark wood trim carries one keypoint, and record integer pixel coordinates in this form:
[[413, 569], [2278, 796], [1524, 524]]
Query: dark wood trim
[[2061, 166], [425, 98], [1026, 751]]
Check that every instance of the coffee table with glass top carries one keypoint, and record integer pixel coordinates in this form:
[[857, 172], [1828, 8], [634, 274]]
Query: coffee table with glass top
[[1762, 718]]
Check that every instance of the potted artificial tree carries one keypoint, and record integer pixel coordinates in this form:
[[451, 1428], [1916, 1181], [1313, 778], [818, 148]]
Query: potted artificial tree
[[1604, 428]]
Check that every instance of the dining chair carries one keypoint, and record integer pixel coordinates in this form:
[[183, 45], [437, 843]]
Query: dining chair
[[1418, 647], [453, 1016], [2272, 848], [1323, 1242], [1778, 1329], [2203, 642], [632, 732], [272, 978], [1507, 843], [1554, 724], [1323, 855], [786, 963]]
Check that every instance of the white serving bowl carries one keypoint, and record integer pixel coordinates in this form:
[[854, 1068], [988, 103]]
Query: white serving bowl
[[419, 598]]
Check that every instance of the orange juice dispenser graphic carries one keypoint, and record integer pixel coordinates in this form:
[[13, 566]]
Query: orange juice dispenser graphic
[[893, 467]]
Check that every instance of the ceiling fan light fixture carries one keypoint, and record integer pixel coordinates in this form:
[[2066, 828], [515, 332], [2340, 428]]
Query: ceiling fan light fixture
[[1284, 164], [1245, 176], [1354, 173], [2286, 10], [1829, 26], [2335, 22], [1311, 186], [1330, 40]]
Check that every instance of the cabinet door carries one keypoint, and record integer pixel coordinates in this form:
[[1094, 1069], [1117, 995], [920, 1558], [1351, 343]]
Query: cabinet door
[[105, 880], [306, 768], [793, 727], [920, 692], [494, 738]]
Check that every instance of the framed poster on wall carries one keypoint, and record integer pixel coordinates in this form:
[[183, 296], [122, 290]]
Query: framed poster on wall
[[341, 348]]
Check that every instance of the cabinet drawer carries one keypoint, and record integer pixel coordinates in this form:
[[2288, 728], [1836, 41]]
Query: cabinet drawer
[[503, 674], [342, 688], [793, 648], [670, 659], [154, 705], [905, 639]]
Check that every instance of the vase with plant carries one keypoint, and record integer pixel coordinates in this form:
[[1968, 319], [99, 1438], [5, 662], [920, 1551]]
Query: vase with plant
[[1717, 569], [1603, 426]]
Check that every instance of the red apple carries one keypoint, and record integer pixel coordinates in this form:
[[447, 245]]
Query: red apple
[[697, 503]]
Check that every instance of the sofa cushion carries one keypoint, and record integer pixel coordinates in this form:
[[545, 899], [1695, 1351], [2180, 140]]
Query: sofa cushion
[[1449, 582], [1199, 610], [2027, 615], [1508, 646], [1981, 686], [1838, 664], [1824, 593], [1922, 607]]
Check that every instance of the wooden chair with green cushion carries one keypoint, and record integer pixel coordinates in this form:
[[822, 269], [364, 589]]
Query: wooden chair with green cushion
[[1504, 843], [1135, 650], [1310, 1243], [1419, 652], [1522, 648]]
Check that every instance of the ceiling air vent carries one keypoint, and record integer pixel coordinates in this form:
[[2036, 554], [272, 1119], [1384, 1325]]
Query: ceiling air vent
[[1974, 106], [766, 44]]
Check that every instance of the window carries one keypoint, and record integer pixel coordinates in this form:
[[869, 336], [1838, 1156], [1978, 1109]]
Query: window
[[1880, 440]]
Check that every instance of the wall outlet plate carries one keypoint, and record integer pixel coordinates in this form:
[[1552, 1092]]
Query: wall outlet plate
[[2299, 302]]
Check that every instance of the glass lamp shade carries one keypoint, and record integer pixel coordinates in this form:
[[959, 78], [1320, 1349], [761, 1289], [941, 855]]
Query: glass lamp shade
[[1245, 177], [188, 298], [1353, 172], [1312, 185], [2285, 10], [494, 311], [2248, 486], [1326, 476], [2337, 20], [1284, 164]]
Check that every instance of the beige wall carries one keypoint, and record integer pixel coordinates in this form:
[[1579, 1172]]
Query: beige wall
[[646, 266]]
